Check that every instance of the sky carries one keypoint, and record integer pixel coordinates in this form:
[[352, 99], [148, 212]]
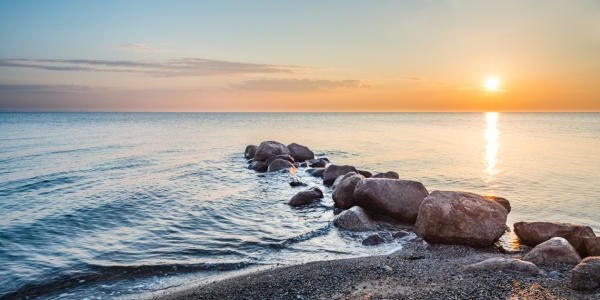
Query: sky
[[299, 56]]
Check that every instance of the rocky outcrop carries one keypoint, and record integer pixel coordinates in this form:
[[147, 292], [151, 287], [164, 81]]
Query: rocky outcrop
[[552, 251], [258, 166], [343, 193], [337, 181], [306, 197], [586, 275], [317, 163], [354, 219], [300, 153], [333, 171], [592, 246], [504, 264], [460, 218], [501, 201], [534, 233], [270, 148], [388, 175], [274, 157], [250, 151], [367, 174], [280, 165], [397, 199]]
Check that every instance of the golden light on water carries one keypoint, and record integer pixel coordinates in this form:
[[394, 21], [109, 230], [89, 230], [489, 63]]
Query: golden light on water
[[491, 136]]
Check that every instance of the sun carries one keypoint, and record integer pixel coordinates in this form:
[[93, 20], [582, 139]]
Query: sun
[[492, 84]]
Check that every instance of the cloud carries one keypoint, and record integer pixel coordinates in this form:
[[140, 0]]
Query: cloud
[[411, 78], [133, 48], [465, 88], [181, 67], [297, 85], [37, 88]]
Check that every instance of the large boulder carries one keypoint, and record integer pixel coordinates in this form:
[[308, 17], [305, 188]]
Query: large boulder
[[337, 181], [333, 171], [397, 199], [586, 275], [553, 251], [305, 197], [534, 233], [367, 174], [354, 219], [503, 264], [270, 148], [282, 156], [300, 153], [460, 218], [250, 151], [501, 201], [388, 175], [280, 165], [343, 193], [258, 166], [317, 163], [592, 245]]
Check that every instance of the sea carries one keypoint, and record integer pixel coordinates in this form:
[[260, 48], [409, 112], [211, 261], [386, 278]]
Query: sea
[[130, 205]]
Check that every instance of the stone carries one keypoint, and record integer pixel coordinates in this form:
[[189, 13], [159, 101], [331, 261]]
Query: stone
[[274, 157], [317, 163], [270, 148], [397, 199], [592, 246], [316, 172], [250, 151], [460, 218], [354, 219], [399, 234], [297, 182], [304, 164], [343, 193], [258, 166], [553, 251], [333, 171], [337, 181], [250, 161], [297, 165], [586, 275], [306, 197], [367, 174], [372, 240], [501, 201], [534, 233], [388, 175], [300, 153], [504, 264], [280, 165], [324, 159]]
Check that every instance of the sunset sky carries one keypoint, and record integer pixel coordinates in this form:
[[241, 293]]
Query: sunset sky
[[299, 56]]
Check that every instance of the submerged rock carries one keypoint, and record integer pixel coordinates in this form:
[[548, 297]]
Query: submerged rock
[[397, 199], [367, 174], [297, 182], [586, 275], [250, 151], [306, 197], [258, 166], [354, 219], [501, 201], [552, 251], [504, 264], [274, 157], [343, 193], [270, 148], [317, 163], [304, 164], [592, 245], [460, 218], [534, 233], [300, 153], [333, 171], [280, 165], [388, 175]]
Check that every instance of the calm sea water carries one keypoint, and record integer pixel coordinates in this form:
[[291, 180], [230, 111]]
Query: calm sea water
[[130, 197]]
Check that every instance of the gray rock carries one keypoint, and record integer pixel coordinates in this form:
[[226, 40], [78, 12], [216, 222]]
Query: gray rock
[[297, 165], [586, 275], [388, 175], [397, 199], [554, 275], [258, 166], [343, 193], [354, 219], [534, 233], [333, 171], [337, 181], [297, 182], [592, 245], [300, 153], [270, 148], [274, 157], [306, 197], [280, 165], [250, 151], [399, 234], [552, 251], [318, 172], [503, 264], [367, 174], [372, 240], [304, 164], [460, 218], [317, 163], [501, 201]]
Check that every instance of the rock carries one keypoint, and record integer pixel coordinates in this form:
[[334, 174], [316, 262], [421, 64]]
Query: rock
[[300, 153], [554, 275], [297, 165], [460, 218], [397, 199], [305, 197], [281, 165], [337, 181], [274, 157], [354, 219], [304, 164], [534, 233], [324, 159], [258, 166], [592, 246], [250, 151], [367, 174], [297, 182], [250, 161], [317, 172], [317, 163], [372, 240], [343, 193], [503, 264], [586, 275], [400, 234], [388, 175], [270, 148], [552, 251], [501, 201], [333, 171]]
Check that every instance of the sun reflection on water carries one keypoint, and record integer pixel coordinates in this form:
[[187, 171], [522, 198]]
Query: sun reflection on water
[[491, 136]]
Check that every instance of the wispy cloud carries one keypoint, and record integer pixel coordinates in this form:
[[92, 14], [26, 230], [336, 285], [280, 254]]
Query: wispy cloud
[[297, 85], [189, 67], [133, 48], [38, 88], [411, 78]]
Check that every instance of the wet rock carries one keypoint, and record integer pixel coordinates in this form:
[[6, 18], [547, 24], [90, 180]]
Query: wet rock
[[270, 148], [250, 151], [304, 164], [274, 157], [554, 250], [501, 201], [297, 165], [333, 171], [534, 233], [373, 240], [504, 264], [297, 182], [324, 159], [397, 199], [586, 275], [317, 163], [460, 218], [399, 234], [343, 193], [592, 245], [337, 181], [305, 197], [354, 219], [300, 153], [317, 172], [280, 165], [364, 173], [388, 175], [258, 166], [250, 161]]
